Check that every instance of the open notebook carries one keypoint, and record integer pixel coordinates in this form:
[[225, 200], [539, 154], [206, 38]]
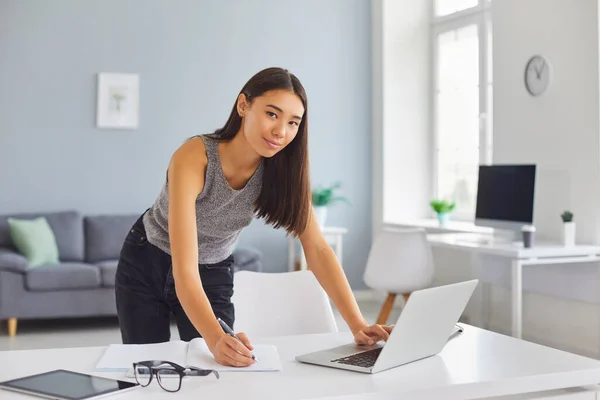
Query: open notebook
[[120, 357]]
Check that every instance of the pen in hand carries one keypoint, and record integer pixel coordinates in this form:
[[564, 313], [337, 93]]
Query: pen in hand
[[229, 331]]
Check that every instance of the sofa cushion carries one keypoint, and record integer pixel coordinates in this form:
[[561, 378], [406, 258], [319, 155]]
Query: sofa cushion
[[66, 225], [35, 240], [108, 269], [66, 275], [10, 260], [247, 259], [104, 235]]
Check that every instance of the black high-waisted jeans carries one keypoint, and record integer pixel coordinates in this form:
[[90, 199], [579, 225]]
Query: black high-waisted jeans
[[146, 297]]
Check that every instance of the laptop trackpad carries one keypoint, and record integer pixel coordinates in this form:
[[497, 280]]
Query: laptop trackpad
[[349, 349]]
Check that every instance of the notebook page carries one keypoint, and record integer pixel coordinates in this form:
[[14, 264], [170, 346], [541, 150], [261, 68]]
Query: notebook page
[[266, 355], [120, 357]]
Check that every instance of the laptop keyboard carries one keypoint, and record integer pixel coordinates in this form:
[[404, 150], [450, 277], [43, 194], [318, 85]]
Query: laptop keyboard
[[365, 359]]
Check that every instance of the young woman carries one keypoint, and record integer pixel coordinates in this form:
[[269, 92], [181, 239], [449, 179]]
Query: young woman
[[177, 257]]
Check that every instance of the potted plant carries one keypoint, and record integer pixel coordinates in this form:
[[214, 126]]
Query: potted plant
[[322, 197], [568, 228], [442, 208]]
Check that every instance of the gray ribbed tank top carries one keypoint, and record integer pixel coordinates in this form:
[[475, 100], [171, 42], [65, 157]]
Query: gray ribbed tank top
[[221, 212]]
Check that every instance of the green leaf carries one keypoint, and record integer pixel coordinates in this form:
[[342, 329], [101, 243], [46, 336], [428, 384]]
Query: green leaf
[[326, 196], [567, 216], [442, 206]]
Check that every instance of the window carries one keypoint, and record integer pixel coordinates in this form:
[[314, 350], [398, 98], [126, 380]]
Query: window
[[462, 99], [445, 7]]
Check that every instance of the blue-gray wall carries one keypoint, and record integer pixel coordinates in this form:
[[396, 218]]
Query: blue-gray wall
[[192, 57]]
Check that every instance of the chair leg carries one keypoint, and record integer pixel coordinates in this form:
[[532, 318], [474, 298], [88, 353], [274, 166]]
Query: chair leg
[[12, 327], [386, 309], [298, 266], [406, 296]]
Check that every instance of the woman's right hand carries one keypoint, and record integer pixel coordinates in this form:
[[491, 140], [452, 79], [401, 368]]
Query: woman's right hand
[[228, 351]]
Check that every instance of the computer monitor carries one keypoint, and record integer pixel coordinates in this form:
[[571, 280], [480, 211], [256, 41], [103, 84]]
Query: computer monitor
[[505, 196]]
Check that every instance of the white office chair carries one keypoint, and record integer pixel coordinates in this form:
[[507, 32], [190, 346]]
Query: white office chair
[[279, 304], [400, 262]]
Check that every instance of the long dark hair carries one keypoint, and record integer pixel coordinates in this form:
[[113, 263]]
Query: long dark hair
[[284, 200]]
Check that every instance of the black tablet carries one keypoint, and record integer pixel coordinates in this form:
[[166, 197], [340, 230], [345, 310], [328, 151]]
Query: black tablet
[[67, 385]]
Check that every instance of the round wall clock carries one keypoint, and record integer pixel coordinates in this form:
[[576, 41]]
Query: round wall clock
[[537, 75]]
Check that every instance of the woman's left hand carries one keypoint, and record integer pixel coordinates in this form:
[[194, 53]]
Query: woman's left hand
[[367, 335]]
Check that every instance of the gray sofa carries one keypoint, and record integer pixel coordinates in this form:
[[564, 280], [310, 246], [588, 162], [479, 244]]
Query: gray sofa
[[82, 285]]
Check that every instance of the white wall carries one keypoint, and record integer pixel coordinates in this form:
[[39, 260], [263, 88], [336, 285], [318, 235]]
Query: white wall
[[377, 115], [401, 108], [559, 131]]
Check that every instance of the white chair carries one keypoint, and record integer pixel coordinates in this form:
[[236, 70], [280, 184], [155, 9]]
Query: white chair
[[279, 304], [400, 262]]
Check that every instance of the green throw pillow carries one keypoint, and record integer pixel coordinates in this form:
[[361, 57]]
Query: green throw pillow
[[35, 239]]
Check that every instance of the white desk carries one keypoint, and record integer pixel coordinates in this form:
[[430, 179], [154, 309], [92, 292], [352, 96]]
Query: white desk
[[476, 364], [540, 254], [332, 234]]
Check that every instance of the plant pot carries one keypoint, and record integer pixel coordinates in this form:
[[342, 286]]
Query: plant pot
[[443, 218], [569, 234], [321, 214]]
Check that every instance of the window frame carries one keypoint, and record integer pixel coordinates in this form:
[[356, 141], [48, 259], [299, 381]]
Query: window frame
[[479, 16]]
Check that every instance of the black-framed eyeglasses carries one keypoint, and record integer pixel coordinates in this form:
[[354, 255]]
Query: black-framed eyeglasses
[[168, 374]]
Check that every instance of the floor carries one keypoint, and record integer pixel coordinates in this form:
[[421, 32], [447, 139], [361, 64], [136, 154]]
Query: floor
[[86, 332]]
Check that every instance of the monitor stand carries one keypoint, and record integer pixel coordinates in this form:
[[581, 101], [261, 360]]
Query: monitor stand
[[504, 232], [504, 237], [498, 237]]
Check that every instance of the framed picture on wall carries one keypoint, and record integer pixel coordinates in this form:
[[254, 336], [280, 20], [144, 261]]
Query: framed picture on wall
[[118, 101]]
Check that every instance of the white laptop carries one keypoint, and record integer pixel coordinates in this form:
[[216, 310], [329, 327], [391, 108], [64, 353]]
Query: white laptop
[[424, 327]]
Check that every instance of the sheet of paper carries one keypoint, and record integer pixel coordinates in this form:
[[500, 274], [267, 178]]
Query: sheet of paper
[[120, 357], [267, 358]]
